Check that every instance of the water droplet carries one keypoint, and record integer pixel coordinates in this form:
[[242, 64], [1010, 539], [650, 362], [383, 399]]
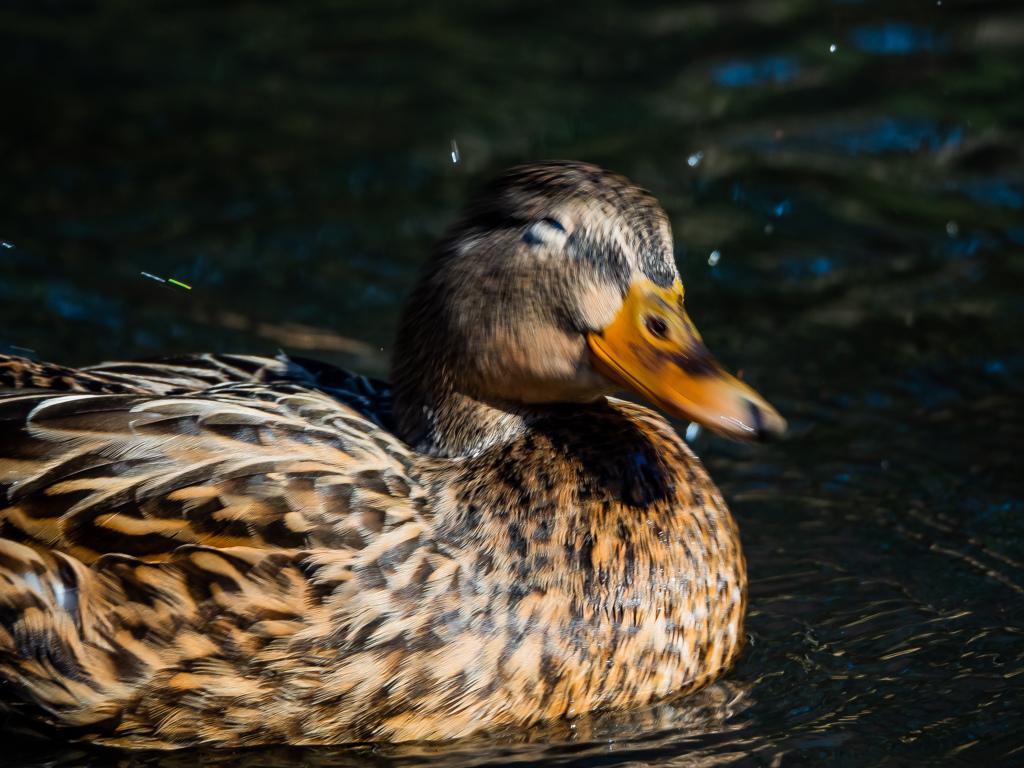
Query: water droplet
[[832, 48], [768, 228], [694, 159], [952, 229], [692, 431], [714, 257], [455, 152]]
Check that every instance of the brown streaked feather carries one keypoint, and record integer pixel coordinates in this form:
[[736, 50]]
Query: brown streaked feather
[[194, 373], [143, 476]]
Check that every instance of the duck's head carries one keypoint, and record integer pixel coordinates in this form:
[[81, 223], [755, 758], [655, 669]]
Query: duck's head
[[557, 284]]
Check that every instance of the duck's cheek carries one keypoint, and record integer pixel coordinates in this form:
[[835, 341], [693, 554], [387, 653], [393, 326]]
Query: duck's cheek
[[540, 365], [652, 349]]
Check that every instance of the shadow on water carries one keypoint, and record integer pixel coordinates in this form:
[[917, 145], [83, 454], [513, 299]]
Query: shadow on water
[[857, 169]]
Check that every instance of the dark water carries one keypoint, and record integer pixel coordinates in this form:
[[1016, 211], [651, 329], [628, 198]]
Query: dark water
[[291, 162]]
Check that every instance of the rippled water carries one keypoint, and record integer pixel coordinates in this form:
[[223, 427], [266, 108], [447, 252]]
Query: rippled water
[[857, 167]]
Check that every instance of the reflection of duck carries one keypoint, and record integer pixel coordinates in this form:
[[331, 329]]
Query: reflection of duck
[[238, 550]]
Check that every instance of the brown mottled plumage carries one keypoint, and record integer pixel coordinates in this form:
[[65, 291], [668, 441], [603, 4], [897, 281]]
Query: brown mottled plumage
[[237, 550]]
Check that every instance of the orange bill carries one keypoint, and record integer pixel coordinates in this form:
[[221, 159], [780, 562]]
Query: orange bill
[[652, 349]]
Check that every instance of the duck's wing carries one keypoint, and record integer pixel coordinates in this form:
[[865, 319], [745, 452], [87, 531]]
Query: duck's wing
[[191, 373], [168, 564], [183, 374], [162, 376], [233, 465]]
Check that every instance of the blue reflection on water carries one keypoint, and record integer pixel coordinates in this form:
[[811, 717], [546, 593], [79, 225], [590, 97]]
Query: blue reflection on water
[[760, 201], [73, 304], [899, 39], [801, 267], [821, 266], [928, 393], [879, 399], [995, 366], [741, 74], [995, 193], [888, 135], [874, 137], [961, 247]]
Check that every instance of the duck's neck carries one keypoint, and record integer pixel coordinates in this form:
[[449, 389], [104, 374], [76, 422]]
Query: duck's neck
[[436, 419], [457, 366], [437, 409]]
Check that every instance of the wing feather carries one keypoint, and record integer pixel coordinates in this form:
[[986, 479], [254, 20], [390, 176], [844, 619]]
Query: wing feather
[[141, 474]]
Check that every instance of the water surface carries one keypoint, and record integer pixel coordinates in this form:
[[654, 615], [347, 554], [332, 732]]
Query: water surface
[[856, 167]]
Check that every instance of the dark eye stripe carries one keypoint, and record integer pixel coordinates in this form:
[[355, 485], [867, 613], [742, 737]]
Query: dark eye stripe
[[554, 223]]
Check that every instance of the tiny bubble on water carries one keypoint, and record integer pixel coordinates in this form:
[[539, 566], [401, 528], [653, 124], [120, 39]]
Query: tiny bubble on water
[[714, 257]]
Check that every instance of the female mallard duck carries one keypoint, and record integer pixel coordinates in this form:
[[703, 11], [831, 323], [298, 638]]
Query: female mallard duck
[[236, 550]]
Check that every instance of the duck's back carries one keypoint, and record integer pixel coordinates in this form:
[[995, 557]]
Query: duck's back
[[185, 374]]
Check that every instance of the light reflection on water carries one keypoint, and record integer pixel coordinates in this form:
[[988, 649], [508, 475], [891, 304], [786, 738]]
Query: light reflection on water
[[874, 136], [293, 165], [900, 39], [771, 69]]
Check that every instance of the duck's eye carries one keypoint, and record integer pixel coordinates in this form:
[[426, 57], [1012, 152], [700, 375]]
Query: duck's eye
[[547, 230], [657, 326]]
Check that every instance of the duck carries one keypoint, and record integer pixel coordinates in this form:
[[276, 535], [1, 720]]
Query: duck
[[234, 550]]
